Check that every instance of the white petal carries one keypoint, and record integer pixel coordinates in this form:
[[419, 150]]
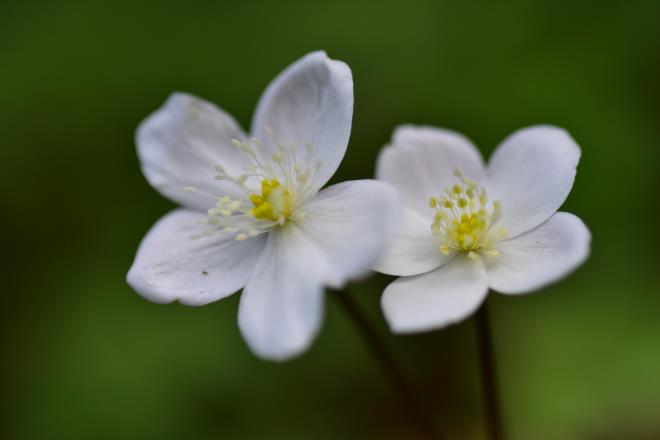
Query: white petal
[[351, 223], [414, 249], [420, 162], [532, 172], [282, 305], [170, 265], [436, 299], [309, 103], [541, 256], [180, 144]]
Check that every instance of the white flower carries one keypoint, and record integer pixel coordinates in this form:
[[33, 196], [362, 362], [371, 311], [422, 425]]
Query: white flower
[[468, 227], [253, 217]]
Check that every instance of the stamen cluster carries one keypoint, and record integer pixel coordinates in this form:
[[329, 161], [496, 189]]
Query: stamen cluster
[[463, 220], [283, 182]]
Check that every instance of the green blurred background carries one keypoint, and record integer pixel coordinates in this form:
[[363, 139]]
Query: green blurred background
[[85, 357]]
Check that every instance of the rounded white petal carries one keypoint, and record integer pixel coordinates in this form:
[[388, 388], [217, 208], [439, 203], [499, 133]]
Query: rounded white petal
[[180, 144], [351, 223], [436, 299], [282, 304], [309, 105], [413, 250], [532, 173], [420, 161], [170, 265], [541, 256]]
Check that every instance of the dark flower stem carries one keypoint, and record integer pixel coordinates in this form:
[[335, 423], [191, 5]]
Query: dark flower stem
[[491, 404], [407, 394]]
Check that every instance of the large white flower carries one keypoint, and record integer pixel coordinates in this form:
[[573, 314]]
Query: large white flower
[[253, 217], [469, 227]]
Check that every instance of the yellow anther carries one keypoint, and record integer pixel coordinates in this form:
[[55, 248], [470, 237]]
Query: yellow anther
[[444, 249], [483, 197], [263, 211], [274, 202], [433, 202]]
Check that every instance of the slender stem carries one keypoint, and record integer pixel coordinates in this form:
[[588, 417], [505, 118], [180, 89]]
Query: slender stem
[[404, 389], [488, 373]]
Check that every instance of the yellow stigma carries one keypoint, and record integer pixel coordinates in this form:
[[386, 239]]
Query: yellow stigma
[[274, 202], [463, 219]]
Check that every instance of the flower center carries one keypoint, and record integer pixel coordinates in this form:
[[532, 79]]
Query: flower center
[[274, 202], [463, 220], [283, 182]]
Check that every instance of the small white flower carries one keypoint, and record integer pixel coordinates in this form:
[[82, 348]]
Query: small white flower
[[468, 227], [252, 215]]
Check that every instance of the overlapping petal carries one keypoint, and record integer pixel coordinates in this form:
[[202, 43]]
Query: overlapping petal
[[532, 173], [180, 144], [351, 222], [309, 106], [170, 265], [412, 250], [541, 256], [436, 299]]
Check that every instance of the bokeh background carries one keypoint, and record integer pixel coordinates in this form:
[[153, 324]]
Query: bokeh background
[[85, 357]]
